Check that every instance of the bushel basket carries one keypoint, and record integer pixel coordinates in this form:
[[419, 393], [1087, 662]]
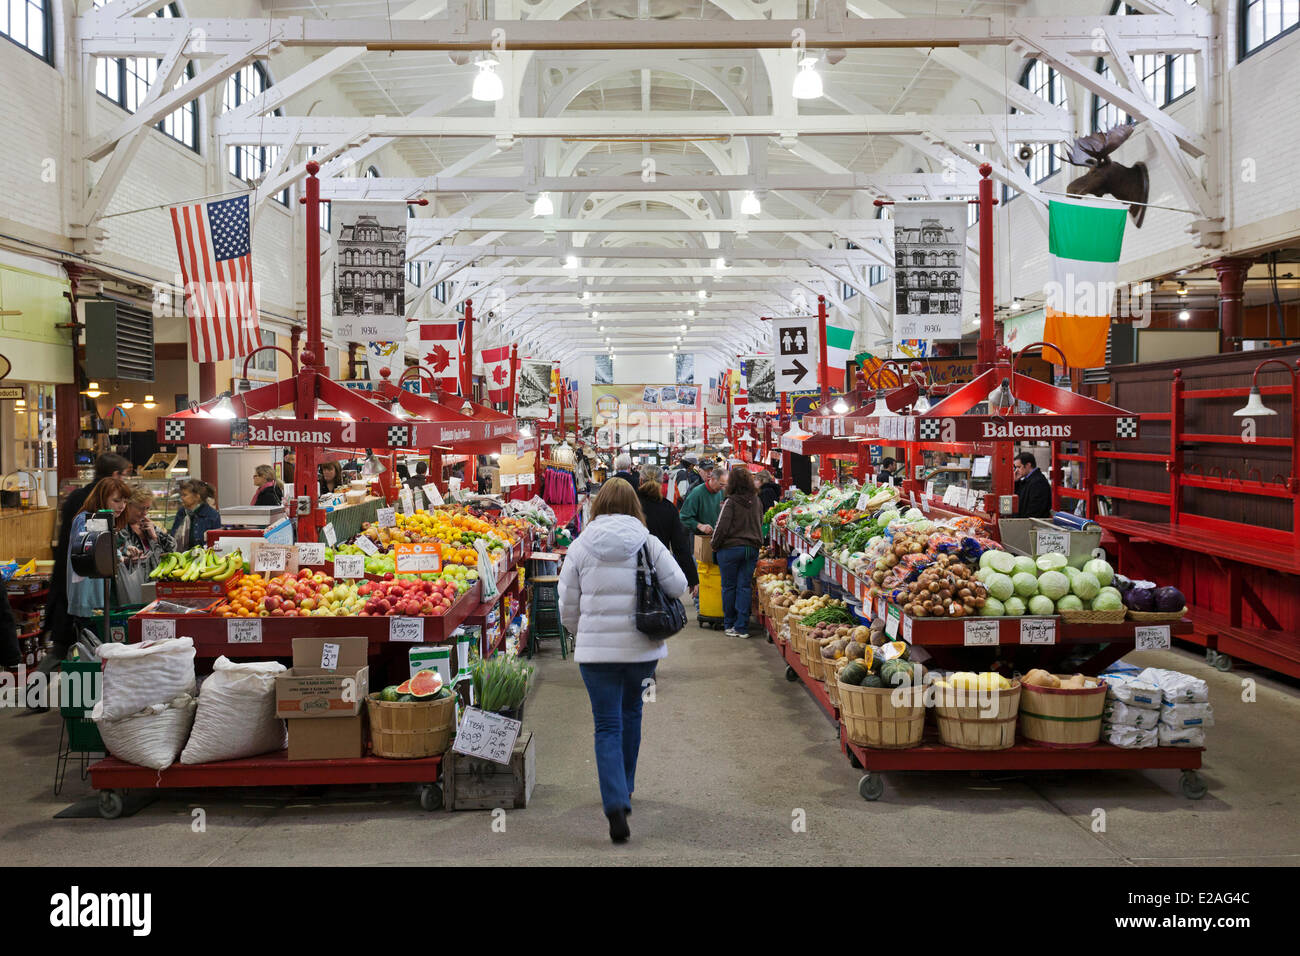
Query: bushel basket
[[403, 731], [977, 720], [874, 717], [1062, 716]]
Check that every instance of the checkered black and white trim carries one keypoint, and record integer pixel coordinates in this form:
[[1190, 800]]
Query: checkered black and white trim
[[398, 436], [929, 428], [1126, 428], [173, 430]]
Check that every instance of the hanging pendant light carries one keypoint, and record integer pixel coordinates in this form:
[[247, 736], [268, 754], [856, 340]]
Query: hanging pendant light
[[840, 406], [750, 206], [487, 85], [543, 205], [127, 404], [224, 408], [807, 82], [1001, 397], [1254, 406], [922, 404], [881, 409], [94, 391], [149, 403]]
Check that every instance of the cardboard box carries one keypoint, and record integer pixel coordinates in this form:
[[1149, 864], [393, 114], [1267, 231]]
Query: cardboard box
[[704, 549], [327, 738], [306, 690]]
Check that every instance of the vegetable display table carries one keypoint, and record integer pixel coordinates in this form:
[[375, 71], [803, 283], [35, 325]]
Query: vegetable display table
[[111, 776]]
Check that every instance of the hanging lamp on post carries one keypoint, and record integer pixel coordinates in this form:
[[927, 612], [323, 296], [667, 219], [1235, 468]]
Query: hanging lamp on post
[[1255, 406]]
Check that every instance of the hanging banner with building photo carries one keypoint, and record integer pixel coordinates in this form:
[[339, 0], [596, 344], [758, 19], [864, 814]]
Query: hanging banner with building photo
[[685, 368], [533, 389], [663, 413], [930, 257], [604, 370], [369, 271], [760, 380]]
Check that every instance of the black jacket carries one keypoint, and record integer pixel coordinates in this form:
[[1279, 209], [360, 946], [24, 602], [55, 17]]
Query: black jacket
[[269, 495], [769, 494], [56, 608], [10, 656], [630, 477], [1035, 493], [662, 522]]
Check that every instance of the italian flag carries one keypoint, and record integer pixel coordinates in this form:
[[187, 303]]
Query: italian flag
[[839, 352], [1084, 240]]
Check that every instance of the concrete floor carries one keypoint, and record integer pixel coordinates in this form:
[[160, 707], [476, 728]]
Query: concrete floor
[[731, 752]]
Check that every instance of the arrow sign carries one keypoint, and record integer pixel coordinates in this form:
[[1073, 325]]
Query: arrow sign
[[797, 366], [795, 346]]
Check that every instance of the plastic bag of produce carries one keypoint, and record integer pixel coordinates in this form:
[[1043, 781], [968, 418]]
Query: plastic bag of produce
[[1120, 713], [236, 713], [1128, 689], [152, 737], [1182, 716], [1171, 737], [138, 675], [1177, 688], [1130, 738]]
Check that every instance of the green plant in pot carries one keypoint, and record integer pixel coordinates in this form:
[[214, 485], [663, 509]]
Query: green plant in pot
[[501, 684]]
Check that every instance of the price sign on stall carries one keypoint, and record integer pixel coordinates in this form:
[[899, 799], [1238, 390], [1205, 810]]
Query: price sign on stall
[[244, 630], [331, 536], [366, 545], [980, 633], [486, 735], [1041, 630], [907, 628], [349, 566], [408, 630], [157, 630], [270, 560], [1151, 637], [329, 657], [892, 619], [417, 558], [309, 553], [386, 517], [408, 501], [1052, 542]]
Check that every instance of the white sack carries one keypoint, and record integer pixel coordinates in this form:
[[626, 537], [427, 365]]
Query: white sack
[[1130, 738], [139, 675], [151, 737], [1191, 737], [1181, 716], [1128, 689], [1117, 713], [1177, 688], [236, 714]]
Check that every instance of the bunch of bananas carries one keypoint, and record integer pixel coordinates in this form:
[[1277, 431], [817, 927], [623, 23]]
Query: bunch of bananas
[[198, 564]]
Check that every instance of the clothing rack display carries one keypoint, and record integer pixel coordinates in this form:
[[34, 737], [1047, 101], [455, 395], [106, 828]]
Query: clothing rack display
[[559, 484]]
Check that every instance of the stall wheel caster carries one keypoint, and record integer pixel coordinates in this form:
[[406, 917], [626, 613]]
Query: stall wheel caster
[[431, 796], [1222, 662], [1193, 786], [871, 787], [790, 674], [1211, 655], [769, 639], [110, 804], [854, 762]]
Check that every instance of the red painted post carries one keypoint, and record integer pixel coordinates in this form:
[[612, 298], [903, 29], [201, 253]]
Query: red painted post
[[208, 390], [726, 391], [1176, 420], [467, 387], [827, 469], [986, 351], [313, 360], [514, 360]]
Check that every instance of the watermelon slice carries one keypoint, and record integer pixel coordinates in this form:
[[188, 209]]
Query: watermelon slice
[[425, 684], [404, 687]]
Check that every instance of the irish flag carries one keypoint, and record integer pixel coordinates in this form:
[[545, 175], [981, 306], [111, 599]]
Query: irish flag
[[839, 352], [1084, 240]]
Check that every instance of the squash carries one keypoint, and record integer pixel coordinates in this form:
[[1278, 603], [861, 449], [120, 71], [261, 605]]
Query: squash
[[853, 673], [872, 680], [896, 672], [855, 651]]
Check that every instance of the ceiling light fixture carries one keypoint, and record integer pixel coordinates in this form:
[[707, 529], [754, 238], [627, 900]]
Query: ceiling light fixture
[[487, 85], [1184, 315], [571, 262], [128, 404], [149, 402], [807, 82], [94, 391], [749, 205], [543, 205], [1182, 288], [840, 406], [703, 294], [720, 263]]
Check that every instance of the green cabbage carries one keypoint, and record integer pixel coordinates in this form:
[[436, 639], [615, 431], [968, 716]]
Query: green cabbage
[[1051, 562], [1114, 591], [984, 559], [1085, 585], [1000, 586], [1002, 562], [1025, 564], [1053, 584], [1070, 571], [1102, 571], [982, 575], [992, 608], [1014, 606], [1026, 585], [1070, 602], [1041, 604], [1107, 600]]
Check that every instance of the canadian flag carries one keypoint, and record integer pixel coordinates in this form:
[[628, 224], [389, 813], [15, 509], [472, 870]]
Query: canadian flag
[[739, 405], [440, 353], [496, 368]]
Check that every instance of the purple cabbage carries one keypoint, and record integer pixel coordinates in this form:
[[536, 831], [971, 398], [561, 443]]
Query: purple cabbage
[[1121, 583], [1169, 599], [1140, 599]]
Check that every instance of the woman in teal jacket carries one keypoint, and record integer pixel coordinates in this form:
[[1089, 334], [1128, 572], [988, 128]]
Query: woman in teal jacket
[[86, 595]]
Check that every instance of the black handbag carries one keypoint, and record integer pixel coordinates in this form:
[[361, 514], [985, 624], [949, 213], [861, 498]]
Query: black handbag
[[658, 616]]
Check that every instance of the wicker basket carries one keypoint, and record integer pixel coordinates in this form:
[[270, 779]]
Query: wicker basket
[[1062, 716], [414, 729], [872, 717], [1156, 617], [832, 682], [816, 663], [778, 614], [963, 723], [1092, 617]]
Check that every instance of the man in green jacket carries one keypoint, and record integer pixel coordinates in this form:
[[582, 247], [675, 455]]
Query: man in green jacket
[[701, 507]]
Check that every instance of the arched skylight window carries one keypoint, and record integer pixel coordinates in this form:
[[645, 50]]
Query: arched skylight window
[[27, 23], [1263, 21], [1165, 77], [251, 163]]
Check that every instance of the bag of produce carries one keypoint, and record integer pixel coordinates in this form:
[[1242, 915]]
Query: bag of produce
[[1130, 738], [1170, 737], [1119, 713], [1128, 689], [236, 713], [138, 675], [1177, 688], [1182, 716], [152, 737]]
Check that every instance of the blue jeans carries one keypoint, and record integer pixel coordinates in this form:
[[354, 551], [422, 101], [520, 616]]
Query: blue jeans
[[615, 692], [737, 568]]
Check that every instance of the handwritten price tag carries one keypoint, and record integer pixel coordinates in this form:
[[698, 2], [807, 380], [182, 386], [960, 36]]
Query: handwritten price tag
[[386, 517], [907, 628], [862, 501], [489, 736], [329, 657], [158, 630], [408, 630], [311, 553], [816, 550], [408, 501], [417, 558], [435, 496], [980, 633], [892, 618], [1151, 637], [244, 630], [1053, 542], [1037, 630], [331, 536], [366, 545], [270, 559], [349, 565]]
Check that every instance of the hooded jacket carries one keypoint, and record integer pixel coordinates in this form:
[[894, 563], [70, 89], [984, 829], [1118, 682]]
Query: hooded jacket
[[598, 591]]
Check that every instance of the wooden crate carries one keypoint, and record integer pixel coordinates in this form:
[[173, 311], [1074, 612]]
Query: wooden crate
[[470, 783]]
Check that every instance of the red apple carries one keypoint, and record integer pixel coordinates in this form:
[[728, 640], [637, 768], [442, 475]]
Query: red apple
[[271, 602], [389, 576], [288, 606], [304, 574], [364, 588]]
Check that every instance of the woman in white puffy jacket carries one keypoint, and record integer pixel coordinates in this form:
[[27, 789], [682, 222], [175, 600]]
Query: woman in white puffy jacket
[[598, 606]]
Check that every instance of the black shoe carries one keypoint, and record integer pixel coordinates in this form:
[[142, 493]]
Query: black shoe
[[618, 828]]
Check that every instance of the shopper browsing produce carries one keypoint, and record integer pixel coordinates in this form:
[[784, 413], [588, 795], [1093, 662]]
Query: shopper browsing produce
[[86, 595], [598, 605], [1032, 488], [331, 477], [769, 492], [701, 507], [195, 517], [665, 524], [736, 540], [139, 540], [268, 491]]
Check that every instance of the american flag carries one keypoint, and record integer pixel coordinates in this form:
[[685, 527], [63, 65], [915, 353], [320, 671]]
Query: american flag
[[215, 251]]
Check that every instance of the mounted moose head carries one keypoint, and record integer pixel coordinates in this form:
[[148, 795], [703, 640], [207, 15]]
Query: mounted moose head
[[1128, 184]]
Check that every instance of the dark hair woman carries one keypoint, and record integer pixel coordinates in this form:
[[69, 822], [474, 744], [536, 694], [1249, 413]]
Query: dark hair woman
[[195, 517], [86, 595], [598, 605], [663, 522], [331, 477], [736, 539]]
